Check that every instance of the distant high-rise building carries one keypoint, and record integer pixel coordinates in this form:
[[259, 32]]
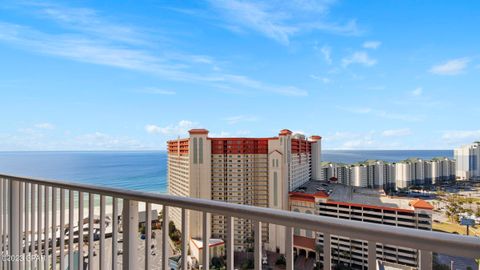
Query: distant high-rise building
[[442, 169], [251, 171], [467, 159], [358, 175], [389, 176]]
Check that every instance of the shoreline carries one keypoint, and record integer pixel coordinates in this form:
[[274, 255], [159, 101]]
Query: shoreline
[[96, 213]]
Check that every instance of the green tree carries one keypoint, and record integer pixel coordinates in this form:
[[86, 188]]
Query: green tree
[[281, 261]]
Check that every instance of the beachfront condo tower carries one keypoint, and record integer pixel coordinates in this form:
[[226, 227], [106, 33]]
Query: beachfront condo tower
[[250, 171], [468, 161]]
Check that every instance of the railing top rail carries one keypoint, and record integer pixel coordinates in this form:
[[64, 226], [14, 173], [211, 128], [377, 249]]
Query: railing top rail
[[451, 244]]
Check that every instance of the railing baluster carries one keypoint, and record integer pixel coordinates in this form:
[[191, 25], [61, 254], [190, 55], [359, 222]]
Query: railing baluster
[[289, 247], [425, 260], [39, 224], [165, 236], [258, 245], [185, 238], [206, 241], [81, 199], [230, 242], [46, 240], [103, 265], [2, 245], [90, 230], [62, 229], [14, 234], [54, 228], [6, 216], [71, 235], [148, 234], [130, 234], [372, 255], [33, 213], [114, 233], [21, 222], [327, 251], [22, 231], [27, 222]]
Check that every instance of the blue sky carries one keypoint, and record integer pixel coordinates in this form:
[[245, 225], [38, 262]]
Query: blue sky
[[111, 75]]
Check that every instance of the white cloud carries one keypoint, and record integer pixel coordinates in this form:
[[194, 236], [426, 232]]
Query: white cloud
[[384, 114], [240, 118], [451, 67], [358, 144], [359, 58], [158, 91], [417, 92], [256, 17], [399, 116], [371, 44], [88, 21], [461, 135], [396, 132], [35, 140], [347, 140], [320, 78], [90, 39], [103, 141], [254, 84], [44, 126], [222, 134], [358, 110], [180, 128], [327, 54], [280, 22]]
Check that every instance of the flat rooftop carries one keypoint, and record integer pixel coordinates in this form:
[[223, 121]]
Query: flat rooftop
[[355, 195]]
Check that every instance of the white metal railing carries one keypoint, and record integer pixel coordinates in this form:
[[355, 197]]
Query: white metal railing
[[28, 228]]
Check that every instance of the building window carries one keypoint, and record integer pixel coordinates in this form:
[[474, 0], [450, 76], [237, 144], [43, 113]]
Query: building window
[[194, 150], [297, 230], [275, 187], [201, 151]]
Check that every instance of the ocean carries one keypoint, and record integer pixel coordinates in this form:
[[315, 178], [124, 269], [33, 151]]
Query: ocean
[[147, 170]]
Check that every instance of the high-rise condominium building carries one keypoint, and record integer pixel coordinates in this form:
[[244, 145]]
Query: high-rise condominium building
[[416, 171], [361, 204], [336, 171], [252, 171], [468, 161], [439, 169]]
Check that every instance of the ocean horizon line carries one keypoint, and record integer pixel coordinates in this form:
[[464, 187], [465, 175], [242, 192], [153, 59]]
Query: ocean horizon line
[[164, 150]]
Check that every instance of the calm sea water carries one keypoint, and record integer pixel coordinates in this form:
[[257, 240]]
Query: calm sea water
[[144, 171]]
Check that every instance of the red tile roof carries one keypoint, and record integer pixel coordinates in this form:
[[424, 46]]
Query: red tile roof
[[198, 131], [285, 132], [419, 203], [305, 242], [308, 197]]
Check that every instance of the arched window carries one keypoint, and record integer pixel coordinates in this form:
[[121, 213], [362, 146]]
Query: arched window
[[296, 230], [275, 189], [308, 233], [201, 150], [194, 150]]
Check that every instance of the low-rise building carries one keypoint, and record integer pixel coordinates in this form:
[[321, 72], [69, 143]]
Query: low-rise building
[[361, 204]]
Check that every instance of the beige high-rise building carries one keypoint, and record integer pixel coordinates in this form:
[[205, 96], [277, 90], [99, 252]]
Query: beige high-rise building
[[467, 159], [251, 171]]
